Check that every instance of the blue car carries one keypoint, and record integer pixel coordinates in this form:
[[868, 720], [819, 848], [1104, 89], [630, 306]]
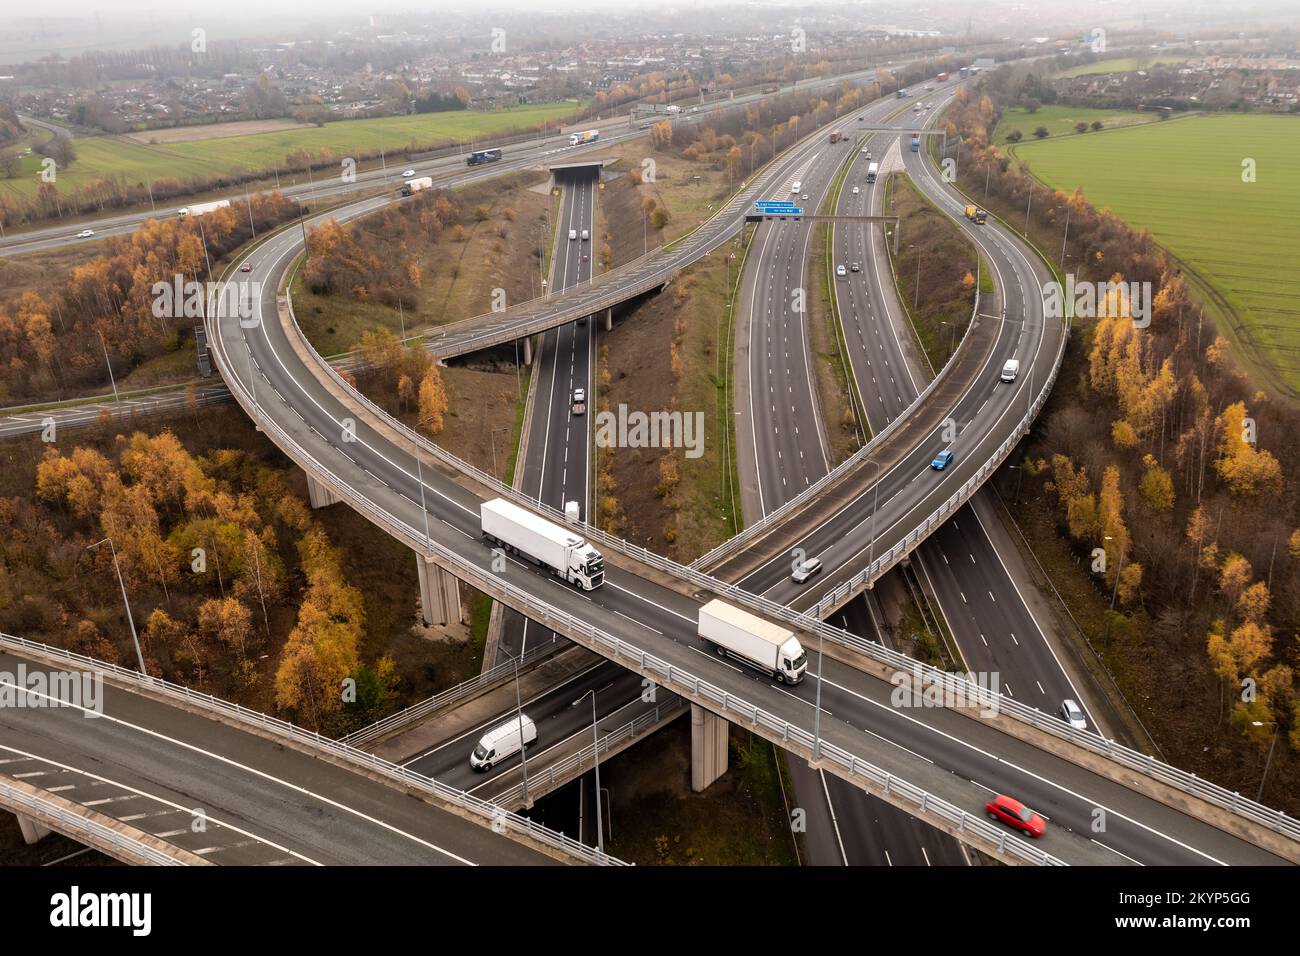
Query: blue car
[[942, 460]]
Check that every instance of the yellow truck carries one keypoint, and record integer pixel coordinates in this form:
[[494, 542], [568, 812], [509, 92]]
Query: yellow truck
[[976, 215]]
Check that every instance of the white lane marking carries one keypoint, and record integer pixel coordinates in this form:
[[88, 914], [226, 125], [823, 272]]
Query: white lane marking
[[254, 772]]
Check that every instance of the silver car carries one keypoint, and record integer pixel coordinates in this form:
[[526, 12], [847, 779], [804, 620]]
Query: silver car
[[1073, 715], [805, 570]]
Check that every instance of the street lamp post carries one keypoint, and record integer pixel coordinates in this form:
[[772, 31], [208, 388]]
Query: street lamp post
[[419, 476], [875, 506], [499, 428], [1066, 237], [519, 710], [139, 655], [595, 755], [108, 365], [1269, 759], [1105, 637], [817, 714]]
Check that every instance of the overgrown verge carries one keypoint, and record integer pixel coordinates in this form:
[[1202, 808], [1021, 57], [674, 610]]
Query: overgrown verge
[[934, 271], [440, 256], [56, 338], [671, 355], [236, 586]]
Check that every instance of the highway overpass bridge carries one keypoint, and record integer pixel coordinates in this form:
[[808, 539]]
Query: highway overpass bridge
[[157, 773], [936, 762], [644, 619]]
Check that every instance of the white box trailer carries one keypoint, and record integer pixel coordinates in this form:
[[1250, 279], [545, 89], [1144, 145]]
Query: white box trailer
[[202, 208], [543, 542], [412, 186], [754, 640]]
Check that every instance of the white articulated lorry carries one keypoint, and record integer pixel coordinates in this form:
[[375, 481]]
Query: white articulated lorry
[[412, 186], [756, 641], [202, 208], [542, 542]]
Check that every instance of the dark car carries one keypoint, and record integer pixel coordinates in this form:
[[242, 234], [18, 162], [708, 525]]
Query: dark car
[[1015, 814]]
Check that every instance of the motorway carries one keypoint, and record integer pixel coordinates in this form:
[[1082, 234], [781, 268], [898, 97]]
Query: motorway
[[950, 755], [938, 749], [151, 765], [562, 713], [777, 459], [557, 466]]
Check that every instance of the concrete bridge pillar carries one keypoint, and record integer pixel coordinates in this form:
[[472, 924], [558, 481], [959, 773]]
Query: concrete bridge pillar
[[32, 831], [709, 734], [439, 593], [528, 350], [609, 319], [321, 494]]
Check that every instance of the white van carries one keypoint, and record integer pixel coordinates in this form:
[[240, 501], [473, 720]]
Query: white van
[[585, 235], [796, 187], [1011, 370], [502, 742], [573, 234]]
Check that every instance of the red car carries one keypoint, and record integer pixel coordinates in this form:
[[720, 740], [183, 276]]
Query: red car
[[1015, 814]]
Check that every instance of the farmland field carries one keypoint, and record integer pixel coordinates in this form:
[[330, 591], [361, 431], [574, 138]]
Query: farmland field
[[1060, 120], [99, 156], [1124, 65], [1183, 180]]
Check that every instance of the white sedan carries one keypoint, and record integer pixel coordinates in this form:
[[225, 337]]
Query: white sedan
[[85, 233]]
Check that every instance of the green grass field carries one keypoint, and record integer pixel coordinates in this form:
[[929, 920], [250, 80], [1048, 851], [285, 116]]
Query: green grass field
[[1183, 180], [1060, 121], [1123, 65], [99, 156]]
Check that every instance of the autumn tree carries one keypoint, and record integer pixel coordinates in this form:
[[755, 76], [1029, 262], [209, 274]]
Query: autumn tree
[[433, 400], [227, 620], [322, 649], [1247, 470]]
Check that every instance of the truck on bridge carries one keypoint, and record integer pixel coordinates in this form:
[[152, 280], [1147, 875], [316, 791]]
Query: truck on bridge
[[749, 638], [201, 208], [590, 136], [542, 542]]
